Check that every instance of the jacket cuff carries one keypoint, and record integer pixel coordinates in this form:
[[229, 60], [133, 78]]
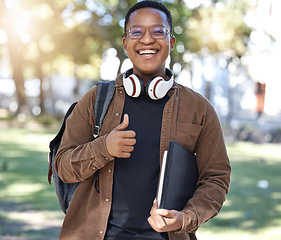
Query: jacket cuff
[[189, 223], [101, 155], [107, 155]]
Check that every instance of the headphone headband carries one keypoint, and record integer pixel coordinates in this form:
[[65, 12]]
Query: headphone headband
[[129, 72], [156, 88]]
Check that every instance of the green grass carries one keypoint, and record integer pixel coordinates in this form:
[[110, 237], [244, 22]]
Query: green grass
[[250, 212], [25, 190], [25, 153]]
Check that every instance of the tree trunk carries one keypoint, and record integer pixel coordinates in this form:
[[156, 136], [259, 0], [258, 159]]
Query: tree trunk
[[15, 51], [40, 76]]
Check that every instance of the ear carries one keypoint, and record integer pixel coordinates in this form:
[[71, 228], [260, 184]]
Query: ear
[[172, 42], [125, 43]]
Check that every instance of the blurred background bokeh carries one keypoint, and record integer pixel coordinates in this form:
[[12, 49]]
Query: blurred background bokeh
[[53, 51]]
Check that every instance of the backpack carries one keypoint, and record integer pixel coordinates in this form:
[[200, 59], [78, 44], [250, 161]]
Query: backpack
[[65, 191]]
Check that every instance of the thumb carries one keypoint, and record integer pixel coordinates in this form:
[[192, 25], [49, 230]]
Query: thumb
[[122, 126], [169, 213], [165, 213]]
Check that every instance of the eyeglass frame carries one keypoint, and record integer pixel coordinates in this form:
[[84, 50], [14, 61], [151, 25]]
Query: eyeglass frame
[[166, 31]]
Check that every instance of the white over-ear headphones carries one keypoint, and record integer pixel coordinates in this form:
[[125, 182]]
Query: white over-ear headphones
[[156, 88]]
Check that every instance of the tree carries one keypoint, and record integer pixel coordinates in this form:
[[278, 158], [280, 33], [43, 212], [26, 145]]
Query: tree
[[81, 30], [27, 24], [219, 27], [15, 47]]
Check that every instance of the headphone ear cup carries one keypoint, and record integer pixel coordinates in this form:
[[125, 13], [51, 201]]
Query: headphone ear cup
[[157, 88], [133, 85]]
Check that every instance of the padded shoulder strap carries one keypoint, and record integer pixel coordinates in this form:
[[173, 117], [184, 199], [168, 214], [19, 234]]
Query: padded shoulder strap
[[105, 94], [60, 133]]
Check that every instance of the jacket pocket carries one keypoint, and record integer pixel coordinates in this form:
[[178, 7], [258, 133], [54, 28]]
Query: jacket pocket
[[187, 135]]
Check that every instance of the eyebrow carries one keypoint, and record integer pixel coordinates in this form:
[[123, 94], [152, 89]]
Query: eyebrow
[[156, 25]]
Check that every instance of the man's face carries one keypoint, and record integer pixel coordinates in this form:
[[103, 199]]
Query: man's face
[[147, 54]]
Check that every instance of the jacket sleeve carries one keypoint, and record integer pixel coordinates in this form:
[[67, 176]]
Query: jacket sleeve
[[79, 155], [214, 174]]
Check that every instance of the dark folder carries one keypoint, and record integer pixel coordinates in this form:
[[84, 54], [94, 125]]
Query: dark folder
[[178, 177]]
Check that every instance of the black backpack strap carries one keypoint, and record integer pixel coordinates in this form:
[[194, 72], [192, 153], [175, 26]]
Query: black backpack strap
[[60, 133], [56, 141], [65, 191], [105, 94]]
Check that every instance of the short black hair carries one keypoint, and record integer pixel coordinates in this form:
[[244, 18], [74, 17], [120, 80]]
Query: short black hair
[[149, 4]]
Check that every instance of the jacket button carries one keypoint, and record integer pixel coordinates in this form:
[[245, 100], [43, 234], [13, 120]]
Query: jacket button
[[107, 200], [116, 114], [101, 232], [109, 170]]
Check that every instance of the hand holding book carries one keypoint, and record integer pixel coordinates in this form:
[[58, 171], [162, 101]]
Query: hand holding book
[[163, 220], [178, 178], [177, 184]]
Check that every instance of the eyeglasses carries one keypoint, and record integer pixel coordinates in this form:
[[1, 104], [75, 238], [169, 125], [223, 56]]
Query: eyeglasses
[[155, 32]]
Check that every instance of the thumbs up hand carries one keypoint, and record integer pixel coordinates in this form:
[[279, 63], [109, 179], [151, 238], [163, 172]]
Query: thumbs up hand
[[120, 142]]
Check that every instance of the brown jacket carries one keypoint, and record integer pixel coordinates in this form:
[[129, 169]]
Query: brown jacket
[[188, 118]]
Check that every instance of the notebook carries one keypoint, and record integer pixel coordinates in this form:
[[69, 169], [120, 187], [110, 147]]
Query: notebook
[[178, 177]]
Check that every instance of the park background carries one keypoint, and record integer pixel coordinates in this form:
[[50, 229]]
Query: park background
[[52, 52]]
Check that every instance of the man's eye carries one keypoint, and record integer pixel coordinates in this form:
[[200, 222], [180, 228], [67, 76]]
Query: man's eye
[[136, 31], [158, 31]]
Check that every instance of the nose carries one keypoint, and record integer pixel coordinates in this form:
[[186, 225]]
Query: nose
[[146, 39]]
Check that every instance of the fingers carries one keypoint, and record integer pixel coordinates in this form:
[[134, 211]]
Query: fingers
[[163, 220], [155, 220], [157, 213], [120, 142]]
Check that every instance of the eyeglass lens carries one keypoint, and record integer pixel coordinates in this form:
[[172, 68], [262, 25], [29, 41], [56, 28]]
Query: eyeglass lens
[[155, 32]]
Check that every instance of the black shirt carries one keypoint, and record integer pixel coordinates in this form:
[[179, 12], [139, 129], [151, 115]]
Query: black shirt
[[135, 179]]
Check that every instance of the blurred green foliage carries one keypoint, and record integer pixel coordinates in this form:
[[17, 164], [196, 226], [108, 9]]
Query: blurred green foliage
[[70, 36]]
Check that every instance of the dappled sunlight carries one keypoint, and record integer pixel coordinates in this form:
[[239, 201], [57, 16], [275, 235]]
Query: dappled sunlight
[[248, 209], [272, 232], [52, 52], [269, 151], [21, 189], [66, 43], [253, 207], [20, 18], [230, 215], [20, 21], [37, 220], [13, 153], [27, 136], [277, 196]]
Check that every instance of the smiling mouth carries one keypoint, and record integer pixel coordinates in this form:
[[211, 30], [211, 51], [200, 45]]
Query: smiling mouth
[[147, 52]]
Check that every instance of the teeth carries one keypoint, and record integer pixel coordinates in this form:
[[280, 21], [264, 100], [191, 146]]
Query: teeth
[[148, 51]]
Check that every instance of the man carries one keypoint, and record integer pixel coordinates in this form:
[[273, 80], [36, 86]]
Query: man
[[147, 112]]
